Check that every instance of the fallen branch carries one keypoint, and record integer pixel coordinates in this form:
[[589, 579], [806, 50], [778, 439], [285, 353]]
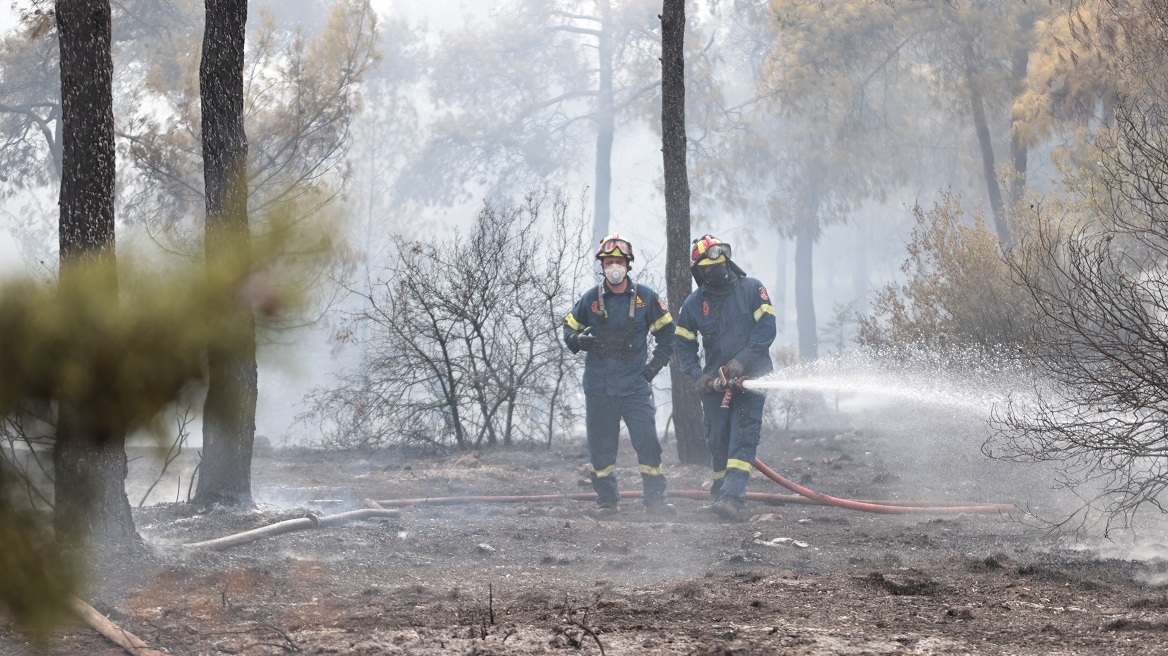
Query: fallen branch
[[119, 636], [309, 521]]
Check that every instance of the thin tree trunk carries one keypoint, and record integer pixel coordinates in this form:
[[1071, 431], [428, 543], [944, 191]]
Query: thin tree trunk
[[859, 264], [89, 457], [779, 295], [605, 126], [804, 289], [230, 408], [982, 128], [687, 409], [1018, 150], [806, 232]]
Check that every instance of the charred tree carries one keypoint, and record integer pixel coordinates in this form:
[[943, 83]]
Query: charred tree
[[230, 408], [89, 457], [687, 410]]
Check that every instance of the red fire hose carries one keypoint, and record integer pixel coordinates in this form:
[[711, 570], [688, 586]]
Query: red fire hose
[[804, 496], [700, 495], [878, 507]]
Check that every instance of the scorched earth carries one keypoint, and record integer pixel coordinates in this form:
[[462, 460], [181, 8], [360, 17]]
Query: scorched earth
[[548, 578]]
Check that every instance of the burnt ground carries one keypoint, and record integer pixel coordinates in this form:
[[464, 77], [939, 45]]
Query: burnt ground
[[547, 578]]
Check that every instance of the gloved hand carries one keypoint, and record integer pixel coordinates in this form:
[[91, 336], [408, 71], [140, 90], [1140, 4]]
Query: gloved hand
[[733, 369], [653, 367], [704, 383], [585, 340]]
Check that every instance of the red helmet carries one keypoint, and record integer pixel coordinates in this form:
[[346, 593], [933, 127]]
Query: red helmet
[[708, 249], [615, 245]]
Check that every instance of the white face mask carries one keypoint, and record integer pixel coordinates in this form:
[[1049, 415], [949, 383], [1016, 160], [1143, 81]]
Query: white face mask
[[614, 273]]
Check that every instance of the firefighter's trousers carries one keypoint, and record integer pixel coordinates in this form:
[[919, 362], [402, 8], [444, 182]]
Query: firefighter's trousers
[[732, 435], [604, 414]]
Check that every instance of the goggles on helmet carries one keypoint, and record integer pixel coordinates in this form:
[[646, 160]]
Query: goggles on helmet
[[708, 250], [716, 251], [615, 248]]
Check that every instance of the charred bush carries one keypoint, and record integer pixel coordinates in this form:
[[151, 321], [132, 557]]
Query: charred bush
[[462, 342], [1099, 280]]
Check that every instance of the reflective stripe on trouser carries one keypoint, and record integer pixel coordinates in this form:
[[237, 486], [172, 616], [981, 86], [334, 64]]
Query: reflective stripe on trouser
[[716, 485], [732, 435], [604, 414]]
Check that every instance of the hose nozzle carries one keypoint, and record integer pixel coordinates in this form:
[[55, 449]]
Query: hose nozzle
[[728, 385]]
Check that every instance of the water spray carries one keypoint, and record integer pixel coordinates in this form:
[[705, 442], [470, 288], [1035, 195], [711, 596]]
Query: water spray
[[748, 385]]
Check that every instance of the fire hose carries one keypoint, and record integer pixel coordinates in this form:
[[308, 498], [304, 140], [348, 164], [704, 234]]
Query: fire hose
[[887, 507]]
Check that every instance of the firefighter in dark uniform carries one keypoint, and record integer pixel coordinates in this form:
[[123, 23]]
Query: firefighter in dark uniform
[[611, 322], [734, 316]]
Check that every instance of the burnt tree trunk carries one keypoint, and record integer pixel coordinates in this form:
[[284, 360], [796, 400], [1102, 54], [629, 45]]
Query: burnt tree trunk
[[687, 408], [89, 458], [230, 408]]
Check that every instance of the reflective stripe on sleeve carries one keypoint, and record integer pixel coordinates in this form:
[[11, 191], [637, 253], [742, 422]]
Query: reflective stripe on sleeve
[[684, 334], [765, 308], [660, 323], [572, 323]]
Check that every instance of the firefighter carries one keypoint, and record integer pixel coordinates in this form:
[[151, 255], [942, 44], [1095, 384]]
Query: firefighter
[[611, 323], [734, 316]]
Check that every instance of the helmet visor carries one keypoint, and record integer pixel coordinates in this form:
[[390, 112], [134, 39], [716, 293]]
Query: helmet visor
[[615, 248]]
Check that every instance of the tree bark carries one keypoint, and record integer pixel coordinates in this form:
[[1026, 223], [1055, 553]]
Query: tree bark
[[87, 155], [230, 407], [687, 409], [89, 457]]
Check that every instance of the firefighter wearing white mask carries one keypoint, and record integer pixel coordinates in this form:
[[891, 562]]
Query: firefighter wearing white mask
[[611, 323]]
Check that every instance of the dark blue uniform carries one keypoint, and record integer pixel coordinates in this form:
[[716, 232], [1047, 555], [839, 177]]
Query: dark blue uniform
[[614, 384], [736, 324]]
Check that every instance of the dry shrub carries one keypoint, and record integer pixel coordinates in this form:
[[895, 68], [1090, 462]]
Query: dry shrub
[[958, 292]]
